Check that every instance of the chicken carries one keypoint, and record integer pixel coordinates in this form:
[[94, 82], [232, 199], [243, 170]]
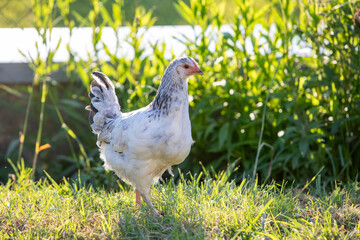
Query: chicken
[[139, 146]]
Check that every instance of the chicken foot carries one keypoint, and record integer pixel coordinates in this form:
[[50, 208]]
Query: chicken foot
[[146, 198]]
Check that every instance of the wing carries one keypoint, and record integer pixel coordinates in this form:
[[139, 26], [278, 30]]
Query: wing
[[143, 135], [138, 134]]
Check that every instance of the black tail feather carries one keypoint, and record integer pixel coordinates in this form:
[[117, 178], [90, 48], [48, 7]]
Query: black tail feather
[[93, 108], [91, 117], [103, 79], [96, 84]]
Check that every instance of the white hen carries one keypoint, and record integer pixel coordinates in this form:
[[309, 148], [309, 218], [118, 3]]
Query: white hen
[[141, 145]]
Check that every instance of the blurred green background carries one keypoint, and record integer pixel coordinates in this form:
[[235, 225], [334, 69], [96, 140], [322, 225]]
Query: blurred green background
[[311, 122], [19, 13]]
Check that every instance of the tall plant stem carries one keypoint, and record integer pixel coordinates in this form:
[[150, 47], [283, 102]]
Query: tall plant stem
[[261, 144], [23, 133], [41, 120]]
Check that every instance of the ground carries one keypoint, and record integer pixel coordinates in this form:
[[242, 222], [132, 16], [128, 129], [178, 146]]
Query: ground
[[197, 208]]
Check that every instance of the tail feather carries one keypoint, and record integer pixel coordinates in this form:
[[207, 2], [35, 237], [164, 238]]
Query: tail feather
[[104, 106], [102, 78], [91, 116]]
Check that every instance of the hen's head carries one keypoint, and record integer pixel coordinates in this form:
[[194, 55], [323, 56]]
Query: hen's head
[[184, 67]]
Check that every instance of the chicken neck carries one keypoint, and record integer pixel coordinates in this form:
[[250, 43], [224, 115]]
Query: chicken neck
[[171, 95]]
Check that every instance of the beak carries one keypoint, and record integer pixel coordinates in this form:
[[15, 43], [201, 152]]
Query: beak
[[197, 71]]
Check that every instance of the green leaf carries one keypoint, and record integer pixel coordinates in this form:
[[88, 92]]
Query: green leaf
[[303, 146], [262, 211], [223, 134], [11, 148], [295, 161], [185, 11], [106, 16], [227, 35], [260, 13], [83, 21], [117, 14]]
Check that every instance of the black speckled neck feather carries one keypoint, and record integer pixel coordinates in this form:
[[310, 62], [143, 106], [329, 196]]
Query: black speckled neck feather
[[172, 90]]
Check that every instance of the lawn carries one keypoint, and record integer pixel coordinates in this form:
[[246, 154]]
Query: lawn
[[204, 206]]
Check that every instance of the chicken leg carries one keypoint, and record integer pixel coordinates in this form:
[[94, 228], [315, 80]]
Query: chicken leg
[[137, 198], [146, 198]]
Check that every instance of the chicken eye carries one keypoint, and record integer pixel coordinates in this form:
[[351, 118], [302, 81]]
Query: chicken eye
[[186, 66]]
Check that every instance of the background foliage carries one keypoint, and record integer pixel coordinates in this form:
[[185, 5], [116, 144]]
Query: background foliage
[[289, 115]]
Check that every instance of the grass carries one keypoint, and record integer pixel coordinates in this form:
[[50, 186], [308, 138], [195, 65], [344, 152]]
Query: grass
[[197, 208]]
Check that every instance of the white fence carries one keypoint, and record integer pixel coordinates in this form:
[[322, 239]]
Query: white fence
[[13, 64]]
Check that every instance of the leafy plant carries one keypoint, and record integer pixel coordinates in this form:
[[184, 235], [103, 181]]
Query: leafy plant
[[307, 115]]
